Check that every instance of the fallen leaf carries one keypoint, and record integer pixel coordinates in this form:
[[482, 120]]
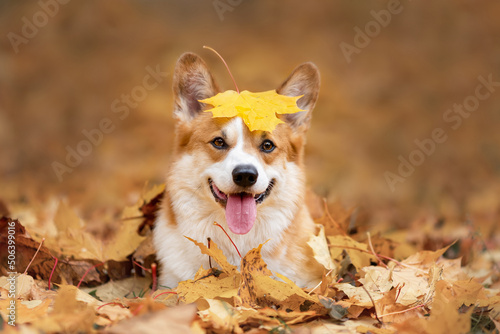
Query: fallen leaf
[[252, 265], [23, 284], [26, 311], [68, 314], [176, 320], [320, 249], [125, 241], [216, 253], [126, 288], [412, 283], [358, 252], [425, 259], [209, 287]]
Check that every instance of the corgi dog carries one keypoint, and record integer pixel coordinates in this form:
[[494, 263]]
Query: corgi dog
[[251, 183]]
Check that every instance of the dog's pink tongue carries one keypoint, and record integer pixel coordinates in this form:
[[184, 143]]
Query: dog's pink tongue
[[241, 211]]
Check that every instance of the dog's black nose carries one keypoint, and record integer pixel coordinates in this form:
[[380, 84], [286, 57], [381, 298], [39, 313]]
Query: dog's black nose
[[245, 175]]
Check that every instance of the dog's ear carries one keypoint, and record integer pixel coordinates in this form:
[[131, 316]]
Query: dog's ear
[[192, 82], [304, 80]]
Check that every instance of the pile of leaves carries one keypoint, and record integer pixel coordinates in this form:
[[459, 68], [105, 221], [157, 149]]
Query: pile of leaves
[[70, 281]]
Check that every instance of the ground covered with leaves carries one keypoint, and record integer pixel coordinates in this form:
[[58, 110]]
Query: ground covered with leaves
[[431, 261], [434, 277]]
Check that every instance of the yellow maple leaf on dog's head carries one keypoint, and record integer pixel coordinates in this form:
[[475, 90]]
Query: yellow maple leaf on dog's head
[[258, 110]]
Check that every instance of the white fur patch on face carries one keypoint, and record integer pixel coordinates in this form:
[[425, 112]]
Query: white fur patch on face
[[221, 172]]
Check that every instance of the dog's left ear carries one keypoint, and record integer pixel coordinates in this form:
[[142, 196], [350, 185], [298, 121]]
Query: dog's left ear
[[304, 80]]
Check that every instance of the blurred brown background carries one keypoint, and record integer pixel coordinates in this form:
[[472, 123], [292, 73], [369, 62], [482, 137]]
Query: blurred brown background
[[61, 76]]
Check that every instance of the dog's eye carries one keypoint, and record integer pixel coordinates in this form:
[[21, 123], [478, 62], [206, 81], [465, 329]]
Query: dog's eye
[[219, 143], [267, 146]]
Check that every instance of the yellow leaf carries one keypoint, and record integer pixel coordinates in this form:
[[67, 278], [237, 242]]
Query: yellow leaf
[[412, 284], [71, 239], [125, 242], [357, 251], [209, 287], [66, 218], [26, 311], [251, 265], [320, 249], [258, 110], [425, 259], [358, 296], [70, 314], [217, 255]]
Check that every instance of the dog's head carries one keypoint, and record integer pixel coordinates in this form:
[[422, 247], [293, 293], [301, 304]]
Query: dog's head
[[237, 170]]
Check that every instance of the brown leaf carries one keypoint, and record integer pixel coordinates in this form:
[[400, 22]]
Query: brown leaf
[[176, 320]]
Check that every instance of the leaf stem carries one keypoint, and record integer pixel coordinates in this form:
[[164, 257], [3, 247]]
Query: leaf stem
[[403, 311], [209, 257], [155, 276], [164, 293], [110, 303], [87, 271], [373, 250], [37, 250], [373, 302], [222, 228], [53, 269], [137, 264], [225, 64]]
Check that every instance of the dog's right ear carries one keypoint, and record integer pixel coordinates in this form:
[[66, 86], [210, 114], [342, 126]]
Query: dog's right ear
[[192, 82]]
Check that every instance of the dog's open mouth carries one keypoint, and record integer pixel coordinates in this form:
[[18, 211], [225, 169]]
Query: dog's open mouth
[[222, 197], [241, 208]]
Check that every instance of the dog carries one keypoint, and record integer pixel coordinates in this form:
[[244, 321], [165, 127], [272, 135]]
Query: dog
[[251, 183]]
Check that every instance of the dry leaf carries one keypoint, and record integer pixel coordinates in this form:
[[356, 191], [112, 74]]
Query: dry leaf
[[69, 314], [125, 242], [26, 311], [128, 287], [209, 287], [215, 252], [176, 320], [320, 249], [357, 251], [258, 110]]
